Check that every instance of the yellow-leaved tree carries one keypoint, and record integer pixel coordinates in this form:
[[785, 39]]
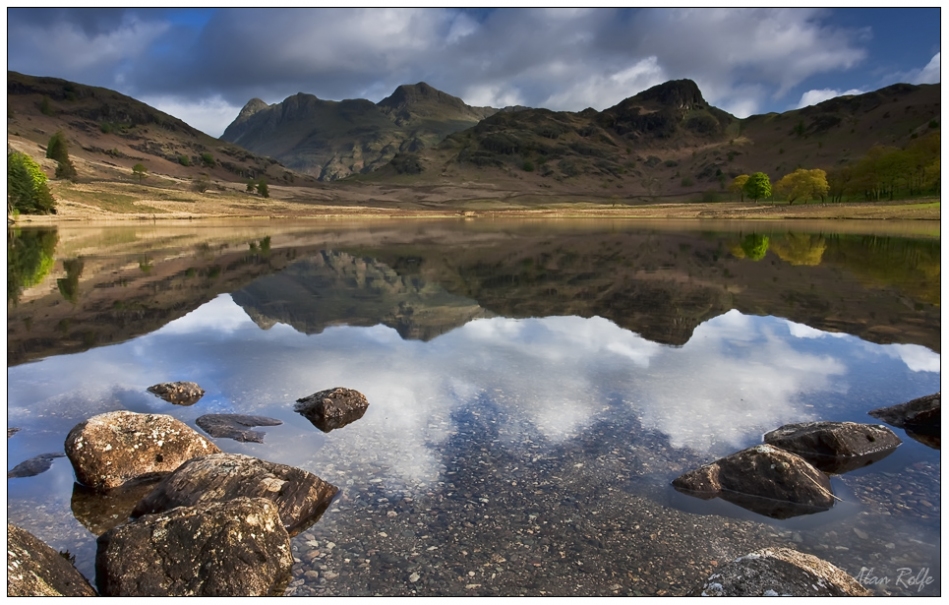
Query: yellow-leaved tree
[[803, 184]]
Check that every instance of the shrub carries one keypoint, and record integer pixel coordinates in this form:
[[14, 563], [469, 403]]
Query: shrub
[[528, 166], [207, 159], [27, 189], [184, 160], [262, 188]]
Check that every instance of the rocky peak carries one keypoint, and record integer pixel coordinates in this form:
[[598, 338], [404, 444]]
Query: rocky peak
[[252, 107], [679, 94], [408, 95]]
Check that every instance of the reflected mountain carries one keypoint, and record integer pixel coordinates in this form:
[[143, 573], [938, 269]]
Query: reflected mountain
[[424, 279], [337, 288]]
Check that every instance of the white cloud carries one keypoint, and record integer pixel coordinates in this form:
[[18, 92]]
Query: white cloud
[[209, 115], [815, 96], [605, 90], [928, 74]]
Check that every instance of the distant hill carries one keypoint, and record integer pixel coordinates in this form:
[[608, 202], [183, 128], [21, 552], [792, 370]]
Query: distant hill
[[333, 139], [668, 141], [109, 132]]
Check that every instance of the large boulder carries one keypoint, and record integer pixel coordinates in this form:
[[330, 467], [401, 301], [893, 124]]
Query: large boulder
[[923, 414], [233, 548], [301, 497], [36, 570], [835, 447], [178, 393], [235, 426], [332, 408], [764, 479], [780, 571], [116, 447]]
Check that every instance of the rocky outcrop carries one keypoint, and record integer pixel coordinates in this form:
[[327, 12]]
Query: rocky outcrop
[[178, 393], [923, 415], [300, 496], [780, 571], [36, 570], [835, 447], [114, 448], [765, 479], [233, 548], [235, 426], [332, 408], [33, 466]]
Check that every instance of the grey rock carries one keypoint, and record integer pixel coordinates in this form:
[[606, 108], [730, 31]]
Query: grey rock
[[332, 408], [178, 393], [235, 426], [116, 447], [301, 497], [835, 447], [764, 479], [233, 548], [780, 571], [33, 466], [922, 415], [36, 570]]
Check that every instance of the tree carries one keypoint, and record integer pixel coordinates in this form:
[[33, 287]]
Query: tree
[[262, 188], [58, 149], [738, 185], [755, 246], [139, 171], [803, 184], [27, 191], [758, 186], [251, 186]]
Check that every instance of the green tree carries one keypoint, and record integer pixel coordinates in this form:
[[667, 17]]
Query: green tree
[[738, 185], [139, 171], [758, 186], [262, 188], [251, 186], [27, 191], [58, 149]]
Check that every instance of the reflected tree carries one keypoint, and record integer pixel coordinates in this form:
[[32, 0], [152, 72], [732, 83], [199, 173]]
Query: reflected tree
[[69, 285], [798, 249], [755, 246], [29, 259]]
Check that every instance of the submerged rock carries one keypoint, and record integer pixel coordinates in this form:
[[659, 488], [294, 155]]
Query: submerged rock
[[764, 479], [116, 447], [34, 466], [922, 415], [301, 497], [332, 408], [780, 571], [178, 393], [100, 511], [235, 426], [835, 447], [36, 570], [233, 548]]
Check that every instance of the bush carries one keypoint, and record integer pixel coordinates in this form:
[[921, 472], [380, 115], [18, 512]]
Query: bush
[[27, 191], [528, 166], [262, 188], [184, 160], [207, 159]]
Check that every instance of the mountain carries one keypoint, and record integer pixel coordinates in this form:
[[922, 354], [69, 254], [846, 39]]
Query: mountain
[[109, 132], [333, 139], [669, 141]]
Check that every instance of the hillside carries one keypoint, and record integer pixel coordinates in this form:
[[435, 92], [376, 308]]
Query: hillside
[[669, 142], [333, 139], [108, 133]]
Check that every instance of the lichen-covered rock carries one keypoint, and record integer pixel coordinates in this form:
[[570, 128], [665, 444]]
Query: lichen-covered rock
[[36, 570], [33, 466], [923, 415], [835, 447], [765, 479], [116, 447], [780, 571], [235, 426], [332, 408], [233, 548], [301, 497], [178, 393]]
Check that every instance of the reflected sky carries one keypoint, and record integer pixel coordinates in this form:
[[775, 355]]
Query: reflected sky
[[736, 378]]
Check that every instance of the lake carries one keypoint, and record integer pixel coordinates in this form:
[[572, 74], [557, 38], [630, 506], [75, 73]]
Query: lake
[[534, 387]]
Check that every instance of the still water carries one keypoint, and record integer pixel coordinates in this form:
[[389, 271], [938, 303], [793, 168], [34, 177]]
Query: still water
[[534, 387]]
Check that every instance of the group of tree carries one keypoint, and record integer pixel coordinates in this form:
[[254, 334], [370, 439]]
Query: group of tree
[[802, 184], [890, 172], [58, 149], [259, 185]]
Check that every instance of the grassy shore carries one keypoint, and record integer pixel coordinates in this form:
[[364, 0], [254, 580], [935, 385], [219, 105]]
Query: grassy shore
[[159, 200]]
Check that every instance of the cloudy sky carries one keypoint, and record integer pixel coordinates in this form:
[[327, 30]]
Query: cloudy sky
[[203, 65]]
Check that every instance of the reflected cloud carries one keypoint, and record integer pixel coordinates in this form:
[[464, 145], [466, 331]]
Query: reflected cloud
[[916, 358]]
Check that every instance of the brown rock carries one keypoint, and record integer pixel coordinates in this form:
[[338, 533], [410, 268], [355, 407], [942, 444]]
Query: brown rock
[[233, 548], [332, 408], [835, 447], [235, 426], [923, 415], [780, 571], [116, 447], [36, 570], [100, 511], [301, 497], [764, 479], [178, 393]]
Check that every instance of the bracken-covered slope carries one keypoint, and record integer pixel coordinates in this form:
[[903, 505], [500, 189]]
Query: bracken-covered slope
[[333, 139]]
